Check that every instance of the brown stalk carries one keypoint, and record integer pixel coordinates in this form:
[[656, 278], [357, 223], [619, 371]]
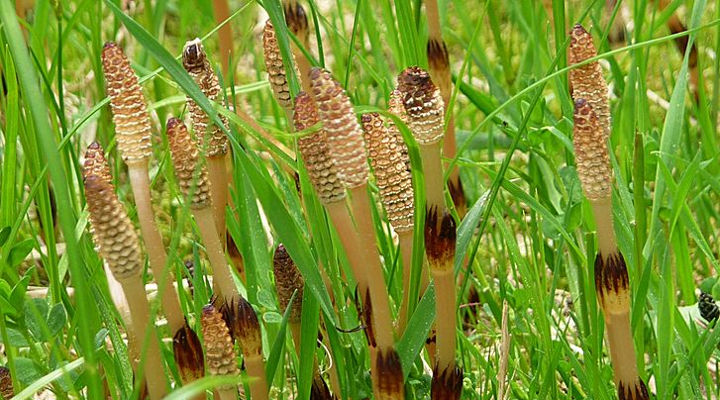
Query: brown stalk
[[6, 385], [439, 68], [132, 127], [118, 244], [396, 193], [611, 276], [221, 9], [297, 22], [425, 112], [245, 328], [213, 139], [189, 356], [194, 184], [219, 351], [348, 154]]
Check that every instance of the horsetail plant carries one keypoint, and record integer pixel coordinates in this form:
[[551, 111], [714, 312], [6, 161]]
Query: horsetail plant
[[348, 153], [6, 385], [440, 238], [276, 70], [245, 328], [439, 68], [219, 350], [424, 108], [132, 127], [213, 139], [396, 107], [394, 181], [189, 358], [611, 276], [297, 22], [194, 183], [324, 176], [118, 244]]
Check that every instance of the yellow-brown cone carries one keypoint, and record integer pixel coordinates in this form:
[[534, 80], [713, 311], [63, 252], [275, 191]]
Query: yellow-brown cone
[[390, 171], [288, 280], [219, 351], [95, 163], [188, 354], [316, 152], [192, 177], [275, 67], [6, 386], [198, 66], [591, 153], [587, 82], [423, 105], [395, 106], [112, 230], [341, 127], [129, 109]]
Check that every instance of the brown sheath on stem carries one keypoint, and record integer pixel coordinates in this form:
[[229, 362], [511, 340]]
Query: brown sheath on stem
[[348, 153], [396, 192], [219, 351], [188, 354], [611, 276], [245, 328], [587, 82], [425, 115], [132, 127], [6, 385], [297, 22], [118, 244], [391, 385], [193, 181], [446, 384]]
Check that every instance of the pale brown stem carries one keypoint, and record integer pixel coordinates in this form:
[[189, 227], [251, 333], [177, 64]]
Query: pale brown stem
[[405, 242], [445, 317], [295, 329], [228, 393], [349, 239], [218, 175], [140, 183], [373, 267], [223, 279], [433, 17], [602, 209], [140, 311], [255, 367], [221, 10], [622, 347], [433, 171]]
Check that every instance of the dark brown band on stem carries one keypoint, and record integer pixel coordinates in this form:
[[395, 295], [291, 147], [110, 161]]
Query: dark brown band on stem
[[390, 375], [611, 274], [440, 238], [188, 354], [633, 391], [438, 55], [446, 385]]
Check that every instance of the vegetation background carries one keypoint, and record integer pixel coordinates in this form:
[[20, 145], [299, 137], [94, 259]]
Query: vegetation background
[[528, 237]]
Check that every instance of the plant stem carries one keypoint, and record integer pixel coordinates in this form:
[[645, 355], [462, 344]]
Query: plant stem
[[445, 318], [140, 183], [405, 242], [349, 239], [140, 311], [255, 367], [222, 12], [217, 173], [433, 170], [223, 279]]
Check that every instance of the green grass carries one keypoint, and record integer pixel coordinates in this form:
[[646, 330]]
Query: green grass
[[528, 235]]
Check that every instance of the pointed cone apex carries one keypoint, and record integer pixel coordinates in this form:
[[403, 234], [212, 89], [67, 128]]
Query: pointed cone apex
[[196, 63], [447, 384], [315, 152], [591, 153], [130, 115], [633, 391], [95, 163], [391, 175], [6, 386], [275, 67], [391, 385], [423, 105], [219, 352], [587, 82], [192, 177], [341, 127], [611, 282], [288, 280], [188, 354], [112, 230], [440, 238], [245, 327]]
